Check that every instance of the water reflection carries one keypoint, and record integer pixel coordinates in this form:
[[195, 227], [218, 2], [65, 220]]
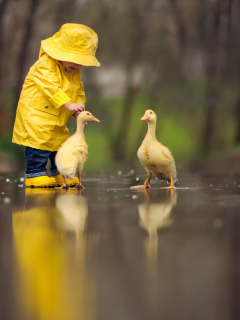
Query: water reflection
[[50, 251], [154, 214]]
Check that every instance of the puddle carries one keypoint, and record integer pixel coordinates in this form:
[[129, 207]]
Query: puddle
[[109, 252]]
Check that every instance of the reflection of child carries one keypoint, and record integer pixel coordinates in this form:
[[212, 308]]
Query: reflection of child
[[52, 91]]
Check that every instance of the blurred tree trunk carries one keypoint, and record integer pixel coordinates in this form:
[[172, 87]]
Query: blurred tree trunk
[[180, 27], [138, 33], [3, 115], [23, 54], [3, 5], [212, 83], [237, 110], [120, 141], [208, 25], [237, 105], [237, 116], [211, 100], [64, 12]]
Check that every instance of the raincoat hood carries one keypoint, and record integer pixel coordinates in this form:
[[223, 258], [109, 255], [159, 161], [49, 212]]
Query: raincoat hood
[[75, 43]]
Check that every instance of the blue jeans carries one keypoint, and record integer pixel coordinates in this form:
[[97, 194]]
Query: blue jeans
[[36, 162]]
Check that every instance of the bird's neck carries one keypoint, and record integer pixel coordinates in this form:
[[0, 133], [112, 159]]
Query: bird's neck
[[80, 127], [151, 133]]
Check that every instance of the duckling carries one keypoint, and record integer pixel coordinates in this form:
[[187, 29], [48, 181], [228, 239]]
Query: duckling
[[73, 152], [156, 159]]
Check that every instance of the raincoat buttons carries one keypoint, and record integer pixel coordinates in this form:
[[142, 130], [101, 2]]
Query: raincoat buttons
[[46, 107]]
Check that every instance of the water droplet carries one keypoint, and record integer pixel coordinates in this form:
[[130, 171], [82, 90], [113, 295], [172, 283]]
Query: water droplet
[[3, 192], [7, 180], [6, 200], [211, 185], [131, 171], [137, 179], [119, 173], [20, 185], [22, 179], [134, 196]]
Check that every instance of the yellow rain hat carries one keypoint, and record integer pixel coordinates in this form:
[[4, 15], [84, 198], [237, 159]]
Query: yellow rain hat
[[75, 43]]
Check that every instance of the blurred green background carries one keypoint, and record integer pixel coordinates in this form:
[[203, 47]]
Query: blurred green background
[[177, 57]]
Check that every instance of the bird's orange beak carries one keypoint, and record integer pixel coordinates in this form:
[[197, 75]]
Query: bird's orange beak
[[144, 118], [95, 119]]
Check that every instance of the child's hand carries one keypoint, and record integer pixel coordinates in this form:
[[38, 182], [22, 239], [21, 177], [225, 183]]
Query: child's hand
[[76, 114], [70, 106]]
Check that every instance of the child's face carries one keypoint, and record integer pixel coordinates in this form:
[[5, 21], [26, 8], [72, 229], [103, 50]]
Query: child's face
[[70, 66]]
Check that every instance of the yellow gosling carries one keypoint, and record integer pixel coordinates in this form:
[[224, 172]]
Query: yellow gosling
[[156, 159], [73, 153]]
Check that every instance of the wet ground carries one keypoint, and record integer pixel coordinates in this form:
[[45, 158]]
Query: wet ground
[[110, 253]]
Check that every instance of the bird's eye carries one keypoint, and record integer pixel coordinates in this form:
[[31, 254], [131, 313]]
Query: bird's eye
[[88, 114], [150, 112]]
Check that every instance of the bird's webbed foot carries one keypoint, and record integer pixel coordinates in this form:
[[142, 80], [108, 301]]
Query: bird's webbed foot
[[146, 185], [79, 186], [65, 186], [170, 187], [171, 183], [143, 186]]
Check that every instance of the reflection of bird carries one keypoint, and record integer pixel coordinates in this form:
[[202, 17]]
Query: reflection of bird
[[73, 153], [156, 158], [74, 210], [154, 216]]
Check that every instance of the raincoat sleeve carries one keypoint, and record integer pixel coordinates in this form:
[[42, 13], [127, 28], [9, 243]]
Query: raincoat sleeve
[[80, 99], [80, 96], [48, 84], [81, 93]]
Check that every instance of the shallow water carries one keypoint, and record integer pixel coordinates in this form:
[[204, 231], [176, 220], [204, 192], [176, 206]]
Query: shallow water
[[112, 253]]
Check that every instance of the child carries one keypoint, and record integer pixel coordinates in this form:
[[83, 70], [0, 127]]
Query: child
[[52, 91]]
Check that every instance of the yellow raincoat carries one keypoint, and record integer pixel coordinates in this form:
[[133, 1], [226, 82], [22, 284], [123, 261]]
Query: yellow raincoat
[[41, 120]]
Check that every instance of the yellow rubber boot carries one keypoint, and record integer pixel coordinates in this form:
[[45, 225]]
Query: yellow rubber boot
[[40, 182], [59, 180]]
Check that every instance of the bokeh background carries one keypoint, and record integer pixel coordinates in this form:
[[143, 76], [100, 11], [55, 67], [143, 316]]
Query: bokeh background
[[178, 57]]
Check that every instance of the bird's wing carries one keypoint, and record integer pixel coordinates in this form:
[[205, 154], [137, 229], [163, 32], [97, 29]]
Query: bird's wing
[[167, 153], [80, 149], [167, 156]]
